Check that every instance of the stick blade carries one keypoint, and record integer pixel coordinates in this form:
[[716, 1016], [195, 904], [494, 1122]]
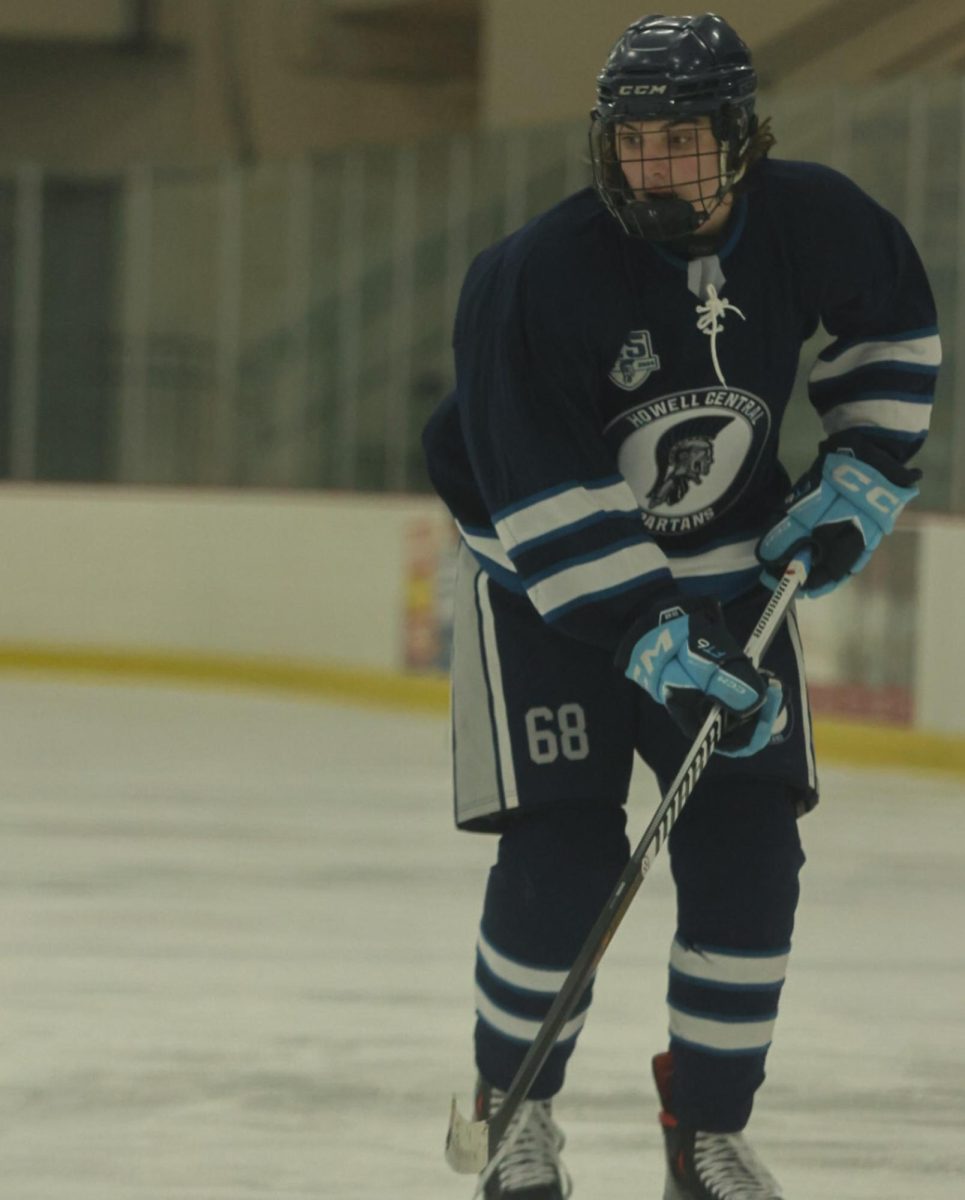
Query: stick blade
[[467, 1143]]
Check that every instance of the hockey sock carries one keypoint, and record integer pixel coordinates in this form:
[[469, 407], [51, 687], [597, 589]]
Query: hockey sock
[[735, 857], [554, 873]]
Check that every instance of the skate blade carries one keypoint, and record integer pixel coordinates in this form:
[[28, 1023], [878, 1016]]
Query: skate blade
[[467, 1143]]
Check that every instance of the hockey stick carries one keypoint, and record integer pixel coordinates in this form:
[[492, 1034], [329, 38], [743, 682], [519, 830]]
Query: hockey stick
[[470, 1146]]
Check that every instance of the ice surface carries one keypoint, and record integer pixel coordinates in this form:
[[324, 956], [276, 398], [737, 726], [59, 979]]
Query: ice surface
[[236, 961]]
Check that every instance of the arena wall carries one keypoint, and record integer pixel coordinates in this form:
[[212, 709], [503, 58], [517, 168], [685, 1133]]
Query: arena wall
[[539, 59], [347, 595]]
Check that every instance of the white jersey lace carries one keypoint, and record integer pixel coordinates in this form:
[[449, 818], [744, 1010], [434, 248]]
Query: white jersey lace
[[709, 317]]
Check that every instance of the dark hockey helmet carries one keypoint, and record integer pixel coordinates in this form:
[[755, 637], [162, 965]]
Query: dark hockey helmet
[[673, 68]]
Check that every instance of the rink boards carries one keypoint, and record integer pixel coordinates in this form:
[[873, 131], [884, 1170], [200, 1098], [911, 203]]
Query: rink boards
[[345, 595]]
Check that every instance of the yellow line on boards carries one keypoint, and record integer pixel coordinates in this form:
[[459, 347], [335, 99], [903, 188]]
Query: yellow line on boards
[[882, 746], [383, 689], [836, 741]]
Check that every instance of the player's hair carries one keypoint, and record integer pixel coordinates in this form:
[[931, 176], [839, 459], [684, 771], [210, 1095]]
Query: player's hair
[[758, 147], [759, 144]]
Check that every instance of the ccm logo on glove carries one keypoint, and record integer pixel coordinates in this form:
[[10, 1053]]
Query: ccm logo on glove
[[852, 479], [841, 509]]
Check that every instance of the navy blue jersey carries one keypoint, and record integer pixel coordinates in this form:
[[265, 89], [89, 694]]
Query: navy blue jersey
[[613, 433]]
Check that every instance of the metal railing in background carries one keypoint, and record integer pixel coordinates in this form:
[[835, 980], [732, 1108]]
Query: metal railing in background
[[288, 324], [904, 144]]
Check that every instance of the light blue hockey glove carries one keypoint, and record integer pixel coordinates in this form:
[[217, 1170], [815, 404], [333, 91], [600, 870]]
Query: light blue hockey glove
[[687, 660], [842, 508]]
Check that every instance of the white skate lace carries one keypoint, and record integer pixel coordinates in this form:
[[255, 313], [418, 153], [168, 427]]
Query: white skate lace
[[529, 1154], [729, 1168], [708, 321]]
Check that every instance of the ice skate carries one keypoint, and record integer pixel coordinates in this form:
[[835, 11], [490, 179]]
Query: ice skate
[[707, 1166], [530, 1167]]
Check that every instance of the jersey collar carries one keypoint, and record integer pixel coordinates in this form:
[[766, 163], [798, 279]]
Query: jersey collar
[[736, 229]]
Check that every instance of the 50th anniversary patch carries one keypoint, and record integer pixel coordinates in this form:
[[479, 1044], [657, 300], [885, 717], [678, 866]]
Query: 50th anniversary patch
[[688, 456]]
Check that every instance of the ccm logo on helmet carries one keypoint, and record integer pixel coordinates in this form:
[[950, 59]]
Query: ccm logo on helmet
[[855, 480], [642, 89]]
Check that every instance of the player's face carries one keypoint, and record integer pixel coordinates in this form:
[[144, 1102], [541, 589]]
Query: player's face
[[671, 158]]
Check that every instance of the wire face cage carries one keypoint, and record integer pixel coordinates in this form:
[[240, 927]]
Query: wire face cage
[[663, 177]]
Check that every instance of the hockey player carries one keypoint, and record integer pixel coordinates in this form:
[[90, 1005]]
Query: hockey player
[[610, 454]]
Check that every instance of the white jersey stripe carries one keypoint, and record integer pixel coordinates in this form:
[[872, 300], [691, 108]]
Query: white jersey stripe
[[715, 966], [597, 575], [527, 979], [554, 514], [721, 1035], [489, 546], [919, 352], [897, 415], [520, 1029], [739, 556]]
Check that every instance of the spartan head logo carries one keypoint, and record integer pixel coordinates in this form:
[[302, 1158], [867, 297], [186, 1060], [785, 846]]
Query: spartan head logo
[[685, 455]]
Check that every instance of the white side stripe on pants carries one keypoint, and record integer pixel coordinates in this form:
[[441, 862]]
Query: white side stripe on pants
[[507, 773], [795, 636]]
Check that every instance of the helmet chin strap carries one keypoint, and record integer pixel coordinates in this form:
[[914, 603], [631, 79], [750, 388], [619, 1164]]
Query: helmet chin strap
[[664, 218], [668, 218]]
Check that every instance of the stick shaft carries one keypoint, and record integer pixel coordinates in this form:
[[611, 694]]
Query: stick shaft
[[656, 833]]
